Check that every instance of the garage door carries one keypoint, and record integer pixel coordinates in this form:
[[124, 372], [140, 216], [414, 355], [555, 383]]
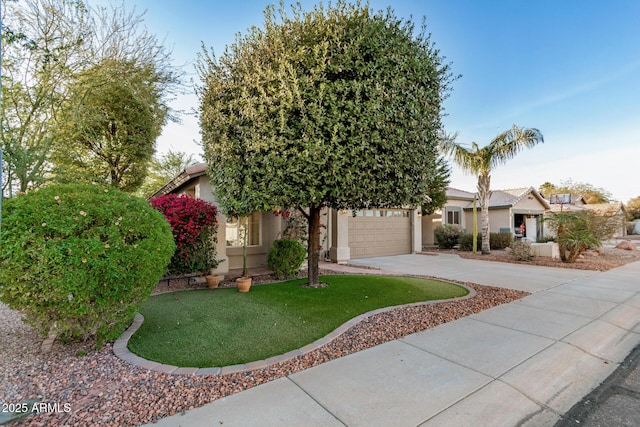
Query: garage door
[[380, 232]]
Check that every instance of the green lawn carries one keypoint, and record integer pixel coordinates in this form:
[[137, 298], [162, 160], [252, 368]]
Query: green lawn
[[223, 327]]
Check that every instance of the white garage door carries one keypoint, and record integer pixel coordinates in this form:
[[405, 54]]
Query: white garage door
[[380, 232]]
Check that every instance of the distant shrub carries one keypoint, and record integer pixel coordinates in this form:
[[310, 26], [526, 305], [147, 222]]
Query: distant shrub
[[195, 231], [285, 257], [447, 235], [521, 250], [497, 241], [79, 260], [546, 239], [466, 242]]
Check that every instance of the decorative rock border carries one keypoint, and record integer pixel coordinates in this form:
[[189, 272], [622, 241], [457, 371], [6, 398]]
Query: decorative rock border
[[120, 347]]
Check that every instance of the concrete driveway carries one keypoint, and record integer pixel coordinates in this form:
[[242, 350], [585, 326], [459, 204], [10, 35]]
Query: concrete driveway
[[505, 275]]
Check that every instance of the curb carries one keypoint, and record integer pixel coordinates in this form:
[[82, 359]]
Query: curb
[[121, 350]]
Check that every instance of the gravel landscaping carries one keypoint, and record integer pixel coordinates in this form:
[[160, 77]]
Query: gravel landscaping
[[97, 388]]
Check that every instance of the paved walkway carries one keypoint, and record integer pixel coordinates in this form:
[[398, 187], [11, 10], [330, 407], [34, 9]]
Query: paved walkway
[[523, 363]]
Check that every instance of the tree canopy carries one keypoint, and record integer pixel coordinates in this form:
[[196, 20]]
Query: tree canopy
[[633, 208], [335, 107], [109, 124], [50, 49], [592, 194]]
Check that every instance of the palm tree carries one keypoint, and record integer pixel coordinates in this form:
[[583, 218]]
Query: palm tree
[[480, 162]]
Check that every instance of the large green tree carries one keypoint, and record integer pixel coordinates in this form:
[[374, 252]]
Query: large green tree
[[336, 107], [41, 48], [49, 46], [481, 161], [109, 124]]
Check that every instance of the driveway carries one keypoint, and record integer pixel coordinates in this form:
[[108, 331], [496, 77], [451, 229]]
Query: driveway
[[505, 275]]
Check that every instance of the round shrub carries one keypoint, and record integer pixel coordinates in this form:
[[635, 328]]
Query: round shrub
[[195, 231], [285, 257], [79, 260], [447, 235], [521, 250]]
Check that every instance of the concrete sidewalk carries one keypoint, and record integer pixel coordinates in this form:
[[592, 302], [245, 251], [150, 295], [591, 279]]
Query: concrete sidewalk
[[523, 363]]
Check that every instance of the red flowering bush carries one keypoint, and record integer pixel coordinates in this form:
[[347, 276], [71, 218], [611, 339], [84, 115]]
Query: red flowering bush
[[194, 226]]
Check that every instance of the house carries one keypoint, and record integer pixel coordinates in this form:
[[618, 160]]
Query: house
[[614, 210], [346, 234], [519, 211]]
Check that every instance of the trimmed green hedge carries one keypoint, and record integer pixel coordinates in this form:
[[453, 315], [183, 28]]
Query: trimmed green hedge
[[497, 241], [79, 260]]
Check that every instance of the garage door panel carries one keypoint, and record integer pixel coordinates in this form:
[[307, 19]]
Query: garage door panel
[[380, 235]]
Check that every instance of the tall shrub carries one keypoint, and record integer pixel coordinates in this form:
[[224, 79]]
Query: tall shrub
[[78, 260], [447, 235], [195, 227]]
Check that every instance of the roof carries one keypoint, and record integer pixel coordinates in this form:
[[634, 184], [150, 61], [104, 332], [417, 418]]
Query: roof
[[501, 198], [186, 175], [454, 193]]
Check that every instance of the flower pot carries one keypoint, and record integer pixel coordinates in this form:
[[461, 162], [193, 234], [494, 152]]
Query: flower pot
[[212, 281], [243, 284]]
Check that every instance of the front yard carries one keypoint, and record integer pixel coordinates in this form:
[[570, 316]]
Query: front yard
[[104, 390]]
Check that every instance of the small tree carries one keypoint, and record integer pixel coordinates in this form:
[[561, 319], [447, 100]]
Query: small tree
[[195, 227], [633, 208], [338, 107], [481, 162], [575, 234], [79, 260]]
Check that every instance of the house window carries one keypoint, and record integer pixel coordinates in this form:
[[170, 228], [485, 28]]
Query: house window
[[236, 226], [453, 217]]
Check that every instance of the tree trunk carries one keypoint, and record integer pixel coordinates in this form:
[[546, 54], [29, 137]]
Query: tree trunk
[[314, 246], [484, 193]]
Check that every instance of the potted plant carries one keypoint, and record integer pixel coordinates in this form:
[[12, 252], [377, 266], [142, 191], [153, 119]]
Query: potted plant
[[213, 279], [244, 282]]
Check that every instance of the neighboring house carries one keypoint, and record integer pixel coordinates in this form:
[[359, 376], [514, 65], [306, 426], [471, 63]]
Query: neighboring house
[[514, 211], [346, 234], [615, 210]]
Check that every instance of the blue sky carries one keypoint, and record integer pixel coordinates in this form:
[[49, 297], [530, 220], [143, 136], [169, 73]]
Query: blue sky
[[570, 68]]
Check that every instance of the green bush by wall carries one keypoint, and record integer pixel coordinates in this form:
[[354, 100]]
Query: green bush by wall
[[285, 257]]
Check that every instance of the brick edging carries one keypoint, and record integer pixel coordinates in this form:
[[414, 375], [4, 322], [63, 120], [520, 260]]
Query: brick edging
[[120, 347]]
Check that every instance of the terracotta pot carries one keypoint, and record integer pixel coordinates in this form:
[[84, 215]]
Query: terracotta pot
[[213, 281], [243, 284]]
